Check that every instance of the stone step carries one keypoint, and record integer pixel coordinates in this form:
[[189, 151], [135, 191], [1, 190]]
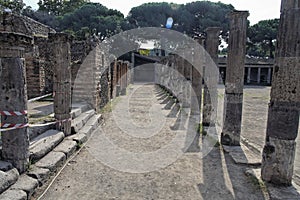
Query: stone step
[[82, 105], [78, 108], [13, 194], [80, 121], [86, 130], [27, 184], [52, 161], [8, 178], [44, 143]]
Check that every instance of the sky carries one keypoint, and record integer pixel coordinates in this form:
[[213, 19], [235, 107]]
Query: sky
[[259, 9]]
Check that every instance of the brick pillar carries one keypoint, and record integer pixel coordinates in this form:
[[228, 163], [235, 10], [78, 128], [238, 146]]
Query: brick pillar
[[233, 102], [283, 115], [211, 46], [62, 80], [13, 97]]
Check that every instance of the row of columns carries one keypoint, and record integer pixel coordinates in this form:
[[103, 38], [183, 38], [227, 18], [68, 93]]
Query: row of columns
[[283, 114], [258, 78], [121, 77], [13, 92]]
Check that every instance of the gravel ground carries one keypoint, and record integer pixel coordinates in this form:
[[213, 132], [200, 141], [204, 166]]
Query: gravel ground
[[143, 152]]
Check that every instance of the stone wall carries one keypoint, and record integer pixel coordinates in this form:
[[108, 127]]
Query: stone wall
[[38, 71], [22, 24]]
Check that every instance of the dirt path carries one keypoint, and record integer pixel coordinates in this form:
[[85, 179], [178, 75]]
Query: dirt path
[[143, 152]]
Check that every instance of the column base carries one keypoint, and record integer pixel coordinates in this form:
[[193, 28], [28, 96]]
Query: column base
[[278, 161], [230, 140]]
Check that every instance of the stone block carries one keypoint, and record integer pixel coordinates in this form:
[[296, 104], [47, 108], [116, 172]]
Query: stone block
[[44, 143], [5, 166], [243, 155], [26, 184], [41, 174], [278, 161], [13, 195], [67, 147], [79, 138], [8, 178], [52, 161]]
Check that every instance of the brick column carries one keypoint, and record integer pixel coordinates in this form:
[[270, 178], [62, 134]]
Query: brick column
[[62, 80], [13, 97], [283, 115], [233, 103], [211, 46]]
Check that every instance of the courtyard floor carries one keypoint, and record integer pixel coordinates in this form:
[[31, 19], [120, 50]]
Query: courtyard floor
[[146, 149]]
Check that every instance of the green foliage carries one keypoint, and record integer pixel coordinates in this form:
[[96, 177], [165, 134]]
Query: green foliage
[[192, 18], [59, 7], [15, 6], [92, 17], [262, 38]]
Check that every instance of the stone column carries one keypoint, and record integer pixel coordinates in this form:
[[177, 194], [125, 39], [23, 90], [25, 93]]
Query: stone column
[[258, 75], [118, 86], [123, 78], [269, 76], [233, 102], [187, 69], [13, 97], [249, 75], [212, 44], [132, 67], [114, 79], [283, 115], [196, 95], [60, 44]]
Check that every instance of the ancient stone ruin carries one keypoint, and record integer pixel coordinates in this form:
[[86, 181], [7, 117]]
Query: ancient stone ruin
[[35, 61]]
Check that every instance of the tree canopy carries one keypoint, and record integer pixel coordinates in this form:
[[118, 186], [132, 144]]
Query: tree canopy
[[262, 38], [92, 17], [192, 18], [59, 7], [14, 5], [82, 18]]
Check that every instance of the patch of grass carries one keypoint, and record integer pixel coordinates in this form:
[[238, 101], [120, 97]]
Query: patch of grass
[[79, 145], [258, 183], [200, 129], [220, 96], [109, 106], [217, 144], [30, 164]]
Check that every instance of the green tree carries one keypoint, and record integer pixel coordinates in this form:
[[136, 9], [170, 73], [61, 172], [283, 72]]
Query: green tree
[[59, 7], [192, 18], [204, 14], [92, 16], [151, 14], [15, 6], [262, 38]]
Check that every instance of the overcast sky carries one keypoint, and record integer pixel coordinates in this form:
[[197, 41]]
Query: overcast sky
[[259, 9]]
